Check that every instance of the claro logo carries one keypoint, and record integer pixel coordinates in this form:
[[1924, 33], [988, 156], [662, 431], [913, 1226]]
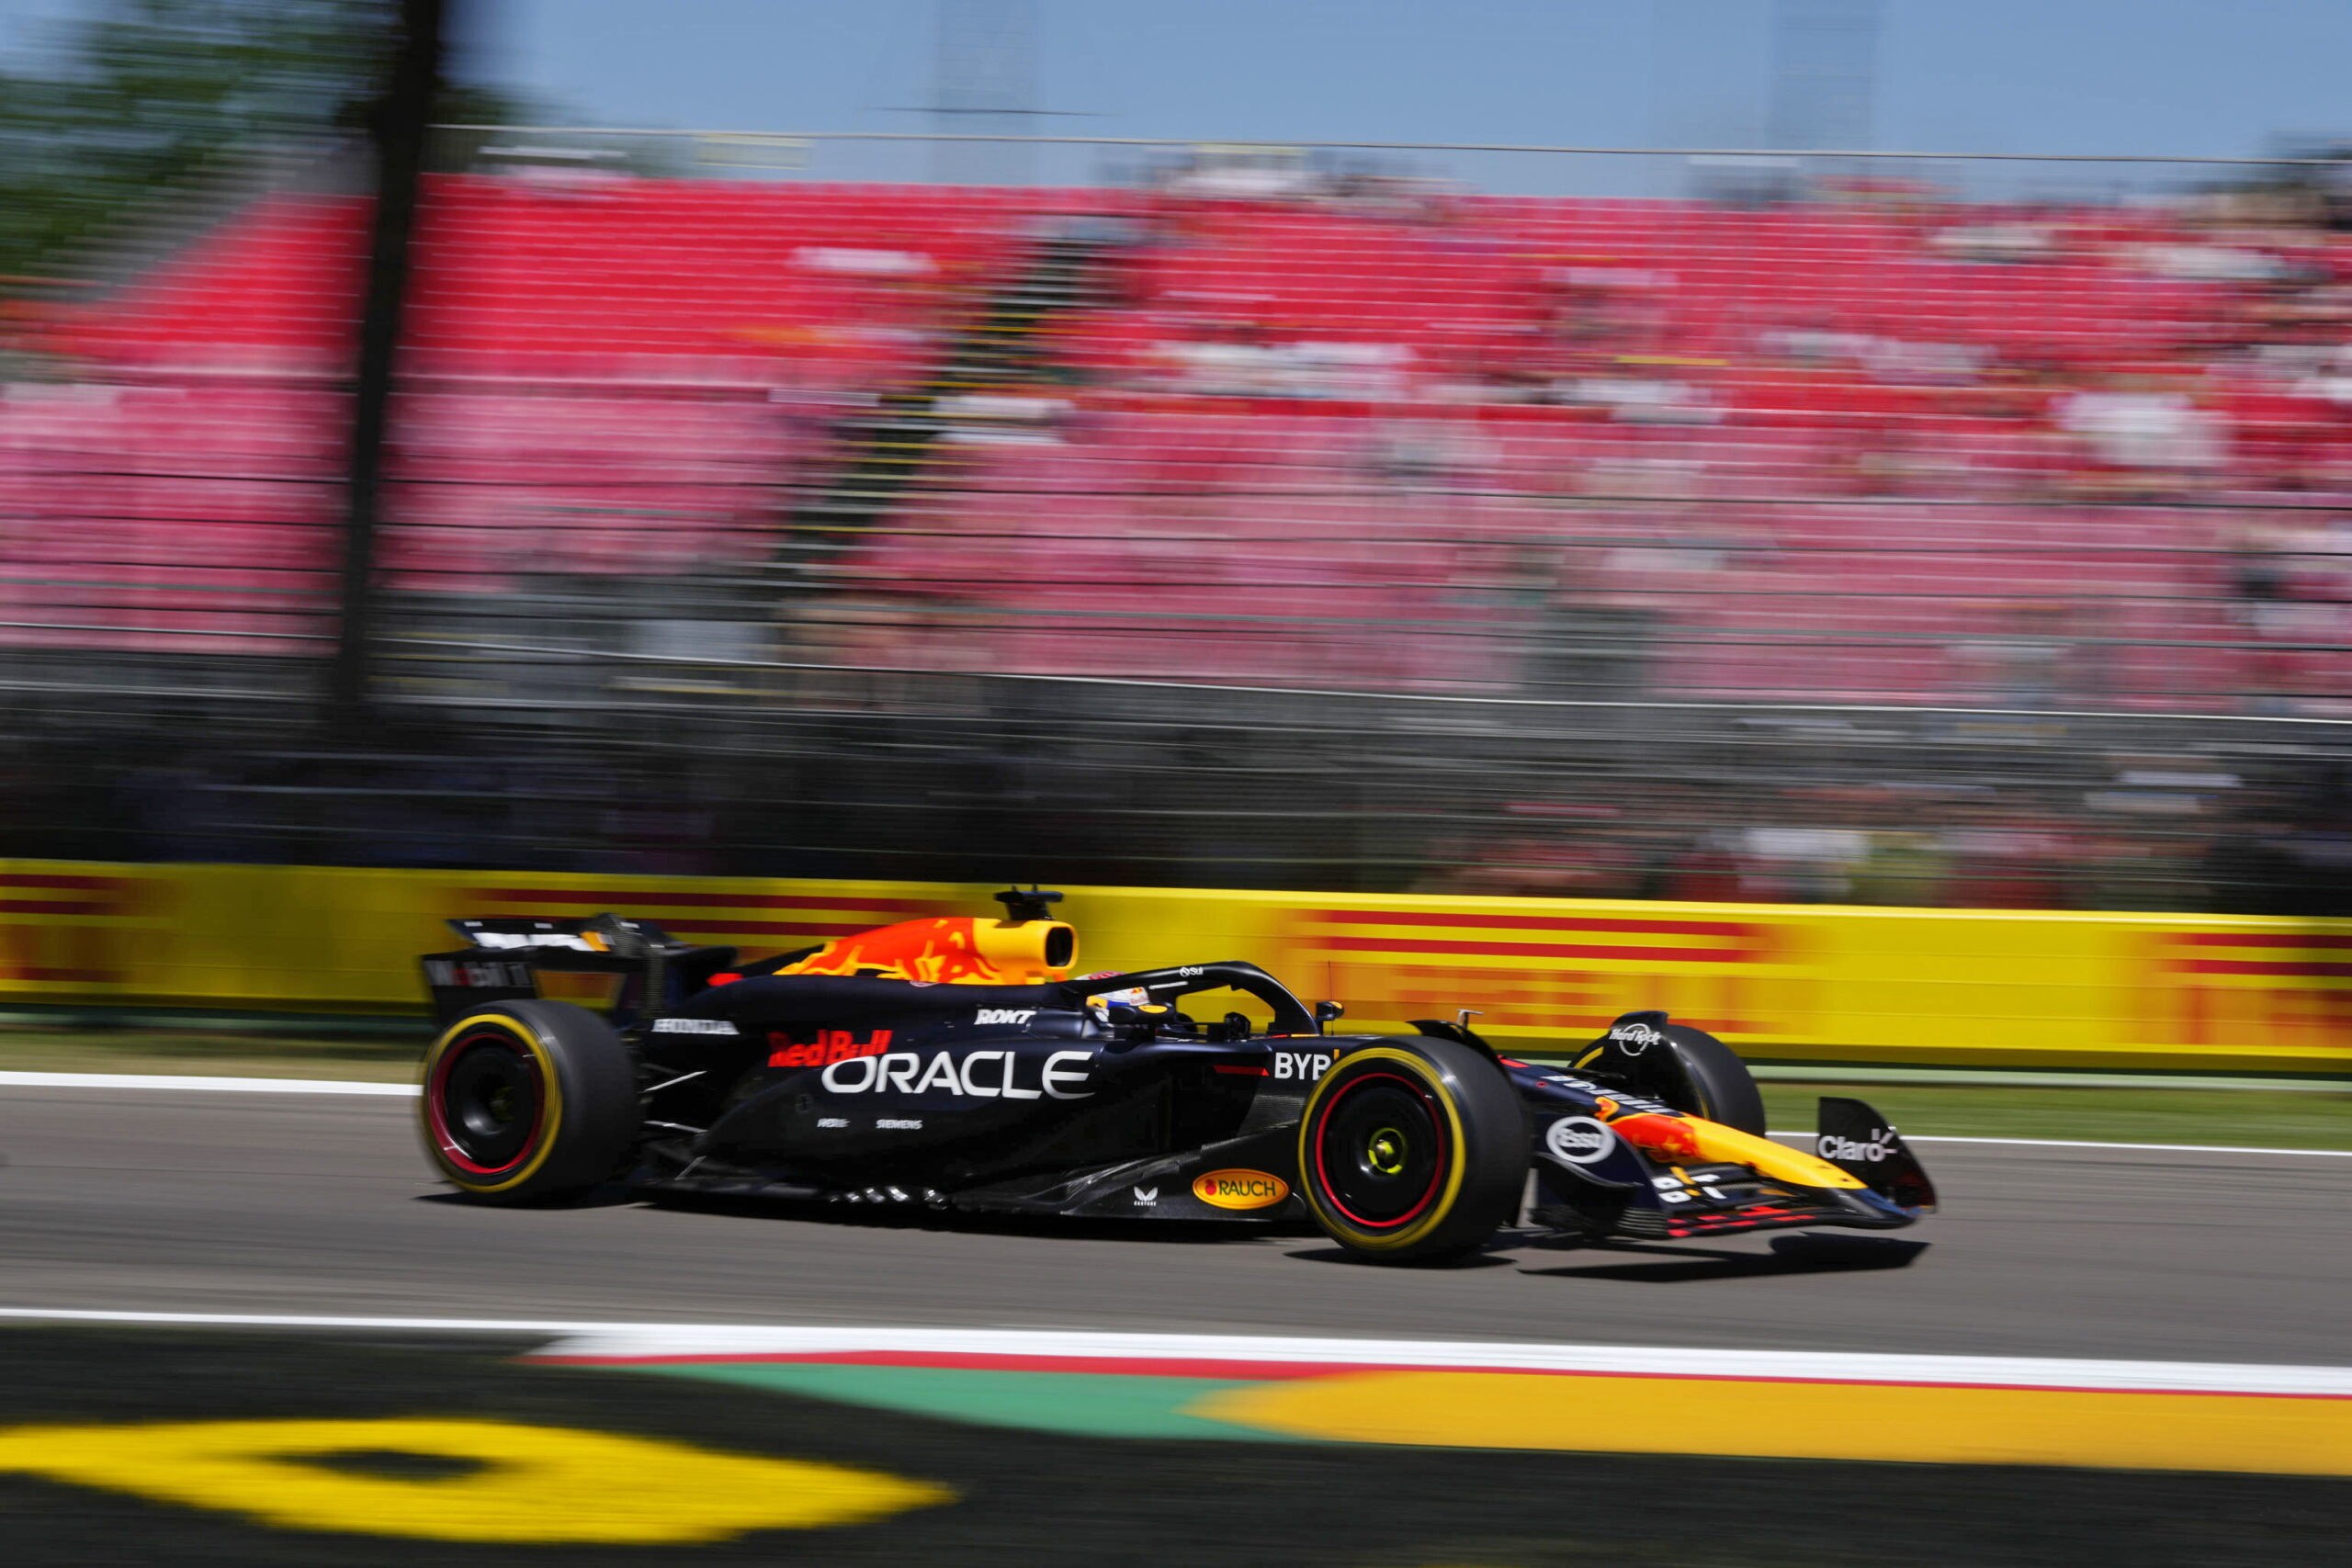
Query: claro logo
[[978, 1075], [1882, 1146], [1240, 1189]]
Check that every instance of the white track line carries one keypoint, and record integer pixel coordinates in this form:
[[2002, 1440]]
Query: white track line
[[406, 1090], [233, 1085], [637, 1341], [2175, 1149], [1806, 1138]]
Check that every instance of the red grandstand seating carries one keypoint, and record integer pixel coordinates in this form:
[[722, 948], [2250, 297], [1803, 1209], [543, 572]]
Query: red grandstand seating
[[1776, 435], [155, 519]]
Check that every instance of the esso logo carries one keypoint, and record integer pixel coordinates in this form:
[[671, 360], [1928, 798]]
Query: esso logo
[[1580, 1140]]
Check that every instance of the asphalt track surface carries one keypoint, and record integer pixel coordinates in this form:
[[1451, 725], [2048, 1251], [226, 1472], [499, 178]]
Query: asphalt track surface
[[297, 1203]]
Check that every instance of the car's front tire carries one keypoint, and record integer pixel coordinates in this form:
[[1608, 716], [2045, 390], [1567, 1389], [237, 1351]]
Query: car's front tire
[[1412, 1150], [528, 1102]]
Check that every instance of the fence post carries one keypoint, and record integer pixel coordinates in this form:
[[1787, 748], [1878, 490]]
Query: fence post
[[397, 124]]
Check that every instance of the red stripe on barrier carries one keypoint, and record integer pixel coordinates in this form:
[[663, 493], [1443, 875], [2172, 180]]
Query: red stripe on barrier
[[622, 897], [1520, 949], [52, 907]]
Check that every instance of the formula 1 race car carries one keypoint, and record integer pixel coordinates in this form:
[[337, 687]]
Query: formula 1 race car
[[954, 1064]]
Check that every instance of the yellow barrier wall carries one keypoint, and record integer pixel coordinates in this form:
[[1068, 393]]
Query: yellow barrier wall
[[1959, 987]]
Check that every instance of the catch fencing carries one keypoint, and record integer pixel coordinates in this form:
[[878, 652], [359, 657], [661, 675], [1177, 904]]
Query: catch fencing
[[1511, 521]]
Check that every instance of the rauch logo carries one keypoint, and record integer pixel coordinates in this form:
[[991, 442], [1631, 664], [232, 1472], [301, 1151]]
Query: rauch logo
[[1240, 1189]]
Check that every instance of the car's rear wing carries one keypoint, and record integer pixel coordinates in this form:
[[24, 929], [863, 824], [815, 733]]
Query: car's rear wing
[[503, 957]]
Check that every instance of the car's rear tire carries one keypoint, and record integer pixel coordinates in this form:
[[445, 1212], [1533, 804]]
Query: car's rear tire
[[1412, 1150], [1695, 1072], [528, 1102]]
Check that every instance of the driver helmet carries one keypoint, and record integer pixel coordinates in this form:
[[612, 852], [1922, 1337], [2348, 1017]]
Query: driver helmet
[[1102, 1002]]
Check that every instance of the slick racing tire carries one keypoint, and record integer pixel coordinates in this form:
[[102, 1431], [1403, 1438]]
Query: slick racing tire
[[528, 1102], [1695, 1072], [1412, 1150]]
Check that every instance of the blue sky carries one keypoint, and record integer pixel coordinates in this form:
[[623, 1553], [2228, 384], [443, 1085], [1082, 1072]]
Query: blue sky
[[2184, 76]]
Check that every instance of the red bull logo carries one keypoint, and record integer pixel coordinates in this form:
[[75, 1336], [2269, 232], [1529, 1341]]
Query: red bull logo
[[1670, 1137], [829, 1047]]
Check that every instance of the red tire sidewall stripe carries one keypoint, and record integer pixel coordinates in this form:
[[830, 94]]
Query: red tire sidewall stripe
[[436, 1116], [1437, 1171]]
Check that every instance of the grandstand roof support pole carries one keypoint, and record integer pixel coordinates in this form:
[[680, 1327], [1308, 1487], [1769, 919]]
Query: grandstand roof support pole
[[397, 128]]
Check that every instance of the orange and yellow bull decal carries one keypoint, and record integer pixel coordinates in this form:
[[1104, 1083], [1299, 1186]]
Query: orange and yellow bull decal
[[1674, 1139], [951, 950], [1661, 1137]]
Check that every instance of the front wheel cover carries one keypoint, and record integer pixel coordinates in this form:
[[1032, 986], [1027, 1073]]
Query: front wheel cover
[[1413, 1151], [1702, 1075]]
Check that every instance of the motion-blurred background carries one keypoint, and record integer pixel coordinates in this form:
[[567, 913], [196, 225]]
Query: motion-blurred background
[[1689, 493]]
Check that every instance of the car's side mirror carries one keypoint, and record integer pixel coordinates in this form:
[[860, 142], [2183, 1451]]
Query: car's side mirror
[[1326, 1011]]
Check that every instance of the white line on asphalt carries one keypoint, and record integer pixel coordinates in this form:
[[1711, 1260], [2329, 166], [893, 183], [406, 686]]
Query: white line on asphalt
[[167, 1080], [2088, 1144], [639, 1340]]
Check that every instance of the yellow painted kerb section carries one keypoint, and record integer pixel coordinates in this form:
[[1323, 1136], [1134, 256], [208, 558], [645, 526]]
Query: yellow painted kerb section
[[539, 1485]]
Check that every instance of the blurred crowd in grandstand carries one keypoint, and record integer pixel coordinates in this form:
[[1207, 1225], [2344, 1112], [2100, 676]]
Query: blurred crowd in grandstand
[[1873, 448], [1254, 421]]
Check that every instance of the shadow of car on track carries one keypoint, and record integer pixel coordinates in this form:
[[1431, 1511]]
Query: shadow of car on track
[[603, 1198], [1340, 1255], [1644, 1262], [1800, 1254], [916, 1216]]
